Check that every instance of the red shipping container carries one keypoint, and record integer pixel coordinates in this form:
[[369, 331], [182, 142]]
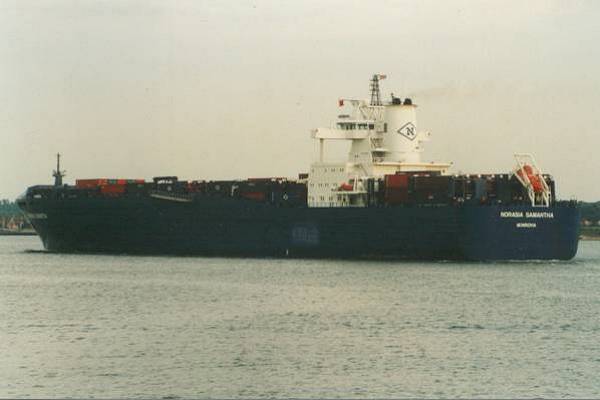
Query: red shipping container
[[396, 196], [396, 181], [90, 183], [112, 189], [260, 196]]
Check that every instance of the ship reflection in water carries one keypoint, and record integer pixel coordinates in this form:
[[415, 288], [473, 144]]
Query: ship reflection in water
[[191, 327]]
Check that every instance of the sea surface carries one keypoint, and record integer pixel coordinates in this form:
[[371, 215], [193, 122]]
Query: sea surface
[[190, 327]]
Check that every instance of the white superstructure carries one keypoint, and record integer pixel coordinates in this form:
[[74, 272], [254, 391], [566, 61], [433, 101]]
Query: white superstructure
[[384, 140]]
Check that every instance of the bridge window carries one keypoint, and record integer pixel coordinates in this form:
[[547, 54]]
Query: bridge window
[[347, 125]]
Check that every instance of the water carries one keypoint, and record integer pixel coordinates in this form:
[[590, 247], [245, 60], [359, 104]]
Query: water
[[120, 326]]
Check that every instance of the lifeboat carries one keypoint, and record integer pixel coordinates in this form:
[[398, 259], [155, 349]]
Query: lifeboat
[[346, 187], [532, 177]]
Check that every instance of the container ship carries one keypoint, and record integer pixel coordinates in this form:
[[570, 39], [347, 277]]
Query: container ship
[[383, 201]]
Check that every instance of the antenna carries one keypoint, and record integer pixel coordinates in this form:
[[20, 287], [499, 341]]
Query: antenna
[[375, 93], [57, 173]]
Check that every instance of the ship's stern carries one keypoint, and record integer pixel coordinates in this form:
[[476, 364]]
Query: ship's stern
[[521, 232]]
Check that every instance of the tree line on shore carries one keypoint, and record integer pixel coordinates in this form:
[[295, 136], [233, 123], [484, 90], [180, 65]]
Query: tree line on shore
[[590, 212], [11, 217]]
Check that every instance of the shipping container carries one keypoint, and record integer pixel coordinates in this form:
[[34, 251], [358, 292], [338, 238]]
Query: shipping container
[[396, 181], [396, 189], [112, 189], [258, 196], [432, 189], [90, 183]]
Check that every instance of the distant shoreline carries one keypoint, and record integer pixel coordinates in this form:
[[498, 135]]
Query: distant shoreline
[[589, 238]]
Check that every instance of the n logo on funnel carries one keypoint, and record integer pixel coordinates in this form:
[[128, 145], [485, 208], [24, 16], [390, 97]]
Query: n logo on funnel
[[408, 130]]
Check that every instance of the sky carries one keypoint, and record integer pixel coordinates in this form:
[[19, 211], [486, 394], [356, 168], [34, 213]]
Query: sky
[[231, 89]]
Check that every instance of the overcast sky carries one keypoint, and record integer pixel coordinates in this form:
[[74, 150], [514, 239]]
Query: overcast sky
[[216, 89]]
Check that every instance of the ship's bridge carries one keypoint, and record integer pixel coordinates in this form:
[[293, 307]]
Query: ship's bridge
[[355, 124], [383, 140]]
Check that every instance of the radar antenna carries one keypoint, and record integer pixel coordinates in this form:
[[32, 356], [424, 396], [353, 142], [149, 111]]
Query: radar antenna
[[57, 173], [375, 93]]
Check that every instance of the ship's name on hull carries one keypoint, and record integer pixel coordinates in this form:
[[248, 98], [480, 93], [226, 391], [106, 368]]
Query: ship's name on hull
[[526, 214]]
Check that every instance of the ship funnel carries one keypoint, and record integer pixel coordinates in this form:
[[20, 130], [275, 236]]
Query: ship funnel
[[401, 137]]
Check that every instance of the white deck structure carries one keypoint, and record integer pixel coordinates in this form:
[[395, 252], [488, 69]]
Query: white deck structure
[[384, 140]]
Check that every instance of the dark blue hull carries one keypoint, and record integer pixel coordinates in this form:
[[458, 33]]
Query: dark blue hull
[[233, 227]]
